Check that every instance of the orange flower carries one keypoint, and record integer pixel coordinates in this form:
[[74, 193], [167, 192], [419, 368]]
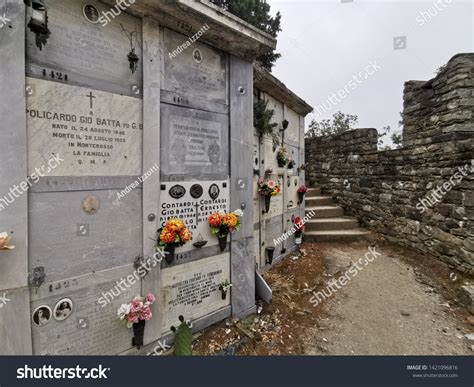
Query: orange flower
[[185, 235], [215, 219], [175, 225], [167, 236], [230, 220]]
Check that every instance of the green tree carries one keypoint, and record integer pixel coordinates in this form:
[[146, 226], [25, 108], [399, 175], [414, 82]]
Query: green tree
[[257, 13], [339, 124]]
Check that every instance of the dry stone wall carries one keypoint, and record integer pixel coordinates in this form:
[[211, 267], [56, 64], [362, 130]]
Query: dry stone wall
[[421, 195]]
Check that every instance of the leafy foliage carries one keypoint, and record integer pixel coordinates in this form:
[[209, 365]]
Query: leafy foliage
[[262, 117], [339, 124], [257, 13]]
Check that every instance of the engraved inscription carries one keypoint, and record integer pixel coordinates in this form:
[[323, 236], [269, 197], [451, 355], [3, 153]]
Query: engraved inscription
[[96, 133]]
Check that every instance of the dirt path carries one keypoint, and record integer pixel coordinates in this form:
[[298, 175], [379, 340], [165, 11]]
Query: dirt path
[[387, 308]]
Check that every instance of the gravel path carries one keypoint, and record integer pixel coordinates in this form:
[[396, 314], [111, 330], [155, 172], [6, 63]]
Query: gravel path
[[385, 310]]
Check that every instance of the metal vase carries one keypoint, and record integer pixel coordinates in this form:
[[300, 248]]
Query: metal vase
[[138, 333]]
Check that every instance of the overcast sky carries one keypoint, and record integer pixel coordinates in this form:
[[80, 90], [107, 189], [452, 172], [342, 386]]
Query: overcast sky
[[324, 43]]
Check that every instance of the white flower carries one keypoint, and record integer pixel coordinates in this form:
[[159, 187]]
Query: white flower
[[239, 212], [123, 311]]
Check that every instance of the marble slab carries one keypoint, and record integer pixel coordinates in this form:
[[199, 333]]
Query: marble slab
[[91, 54], [292, 134], [201, 78], [95, 133], [193, 202], [91, 328], [197, 143], [192, 289]]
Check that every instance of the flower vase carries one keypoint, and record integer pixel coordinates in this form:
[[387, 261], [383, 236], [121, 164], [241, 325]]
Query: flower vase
[[267, 202], [223, 242], [169, 254], [224, 294], [301, 197], [138, 333], [270, 251], [298, 238]]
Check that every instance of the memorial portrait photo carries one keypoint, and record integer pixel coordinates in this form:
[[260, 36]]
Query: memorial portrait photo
[[42, 315], [63, 309]]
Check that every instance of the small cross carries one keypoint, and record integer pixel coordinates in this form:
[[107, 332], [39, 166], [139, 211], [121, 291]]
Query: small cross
[[91, 96]]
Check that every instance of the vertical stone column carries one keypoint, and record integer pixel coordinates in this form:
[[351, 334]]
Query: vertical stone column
[[152, 56], [241, 149], [15, 328]]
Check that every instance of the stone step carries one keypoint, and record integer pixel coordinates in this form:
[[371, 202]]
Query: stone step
[[325, 211], [335, 236], [331, 224], [318, 201], [313, 192]]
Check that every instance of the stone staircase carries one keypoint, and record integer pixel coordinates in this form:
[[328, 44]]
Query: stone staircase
[[329, 223]]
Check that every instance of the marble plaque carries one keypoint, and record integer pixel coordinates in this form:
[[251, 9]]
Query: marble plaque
[[90, 329], [93, 132], [295, 155], [196, 142], [204, 78], [193, 210], [276, 204], [273, 230], [292, 192], [269, 156], [88, 54], [292, 134], [277, 107], [192, 289]]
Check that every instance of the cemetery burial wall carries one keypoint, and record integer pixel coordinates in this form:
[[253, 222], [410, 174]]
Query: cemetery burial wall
[[120, 152], [393, 191], [285, 207]]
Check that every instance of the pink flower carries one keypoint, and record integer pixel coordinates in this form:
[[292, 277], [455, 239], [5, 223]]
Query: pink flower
[[271, 184], [150, 298], [137, 305]]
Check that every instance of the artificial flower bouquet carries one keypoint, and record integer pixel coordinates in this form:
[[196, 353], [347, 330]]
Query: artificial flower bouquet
[[5, 242], [135, 315], [282, 157], [222, 224], [174, 234], [301, 192]]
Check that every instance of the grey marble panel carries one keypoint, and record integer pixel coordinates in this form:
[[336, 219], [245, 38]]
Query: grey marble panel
[[243, 277], [87, 54], [13, 218], [15, 329], [198, 72], [196, 141], [153, 57], [242, 150], [92, 327], [273, 230], [67, 241]]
